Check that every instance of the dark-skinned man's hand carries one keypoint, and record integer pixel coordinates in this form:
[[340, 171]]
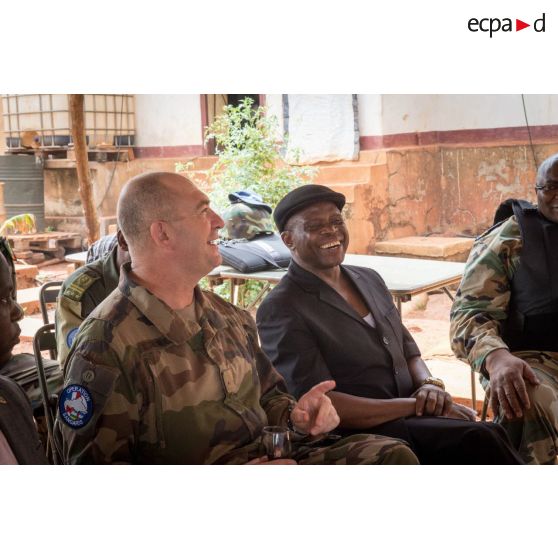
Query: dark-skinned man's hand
[[432, 400]]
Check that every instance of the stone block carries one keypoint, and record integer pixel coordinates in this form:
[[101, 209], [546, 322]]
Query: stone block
[[428, 247]]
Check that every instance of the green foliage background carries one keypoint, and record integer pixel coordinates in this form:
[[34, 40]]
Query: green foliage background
[[251, 157]]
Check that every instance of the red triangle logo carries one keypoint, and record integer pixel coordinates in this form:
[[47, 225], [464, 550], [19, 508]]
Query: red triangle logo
[[519, 25]]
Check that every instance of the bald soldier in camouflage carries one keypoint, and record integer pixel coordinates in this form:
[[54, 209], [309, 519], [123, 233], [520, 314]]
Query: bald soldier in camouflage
[[503, 319], [163, 372], [86, 288]]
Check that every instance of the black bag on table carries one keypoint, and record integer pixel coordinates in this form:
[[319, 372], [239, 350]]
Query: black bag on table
[[259, 254]]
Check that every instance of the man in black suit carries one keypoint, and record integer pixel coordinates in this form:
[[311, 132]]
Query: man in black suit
[[327, 321]]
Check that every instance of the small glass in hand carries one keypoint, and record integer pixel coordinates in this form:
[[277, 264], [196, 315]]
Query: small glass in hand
[[276, 442]]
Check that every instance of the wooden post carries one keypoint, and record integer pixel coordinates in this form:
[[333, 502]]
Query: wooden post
[[82, 167]]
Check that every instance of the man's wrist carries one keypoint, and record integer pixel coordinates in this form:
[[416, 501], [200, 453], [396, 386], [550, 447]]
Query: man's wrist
[[290, 424], [432, 381], [492, 356]]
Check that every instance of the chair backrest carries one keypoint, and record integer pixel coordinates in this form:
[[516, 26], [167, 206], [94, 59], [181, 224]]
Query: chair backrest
[[48, 294], [45, 340]]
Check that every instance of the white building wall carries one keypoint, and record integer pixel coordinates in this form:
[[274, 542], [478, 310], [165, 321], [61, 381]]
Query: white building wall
[[397, 114], [370, 115], [166, 120]]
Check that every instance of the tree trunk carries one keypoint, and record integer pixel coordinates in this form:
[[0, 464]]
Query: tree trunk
[[82, 167]]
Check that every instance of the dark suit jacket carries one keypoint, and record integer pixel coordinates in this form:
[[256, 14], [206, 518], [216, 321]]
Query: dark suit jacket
[[16, 423], [311, 334]]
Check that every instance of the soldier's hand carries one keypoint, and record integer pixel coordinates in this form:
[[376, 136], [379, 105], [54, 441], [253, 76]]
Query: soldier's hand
[[265, 461], [432, 400], [462, 412], [314, 413], [507, 383]]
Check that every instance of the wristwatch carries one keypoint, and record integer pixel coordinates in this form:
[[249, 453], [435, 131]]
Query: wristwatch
[[434, 381]]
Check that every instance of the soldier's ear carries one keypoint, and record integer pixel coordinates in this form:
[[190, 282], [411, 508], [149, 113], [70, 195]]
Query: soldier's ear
[[158, 232]]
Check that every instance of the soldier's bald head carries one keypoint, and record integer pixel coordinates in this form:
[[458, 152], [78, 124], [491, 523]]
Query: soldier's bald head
[[149, 197], [545, 167]]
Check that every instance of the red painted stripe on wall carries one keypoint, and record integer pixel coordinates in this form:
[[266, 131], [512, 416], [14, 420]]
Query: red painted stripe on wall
[[169, 151], [474, 136]]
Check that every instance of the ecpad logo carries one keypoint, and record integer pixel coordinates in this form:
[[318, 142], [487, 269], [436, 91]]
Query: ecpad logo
[[492, 25]]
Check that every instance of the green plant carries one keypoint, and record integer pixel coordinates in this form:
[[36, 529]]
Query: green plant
[[250, 157]]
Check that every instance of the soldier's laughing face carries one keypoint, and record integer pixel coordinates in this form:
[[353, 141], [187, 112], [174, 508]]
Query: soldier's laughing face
[[317, 236], [10, 313], [197, 227]]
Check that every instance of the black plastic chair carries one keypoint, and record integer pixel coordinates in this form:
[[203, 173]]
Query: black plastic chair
[[45, 340], [48, 295]]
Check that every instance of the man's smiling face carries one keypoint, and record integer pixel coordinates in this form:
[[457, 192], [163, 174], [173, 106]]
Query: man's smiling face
[[317, 236]]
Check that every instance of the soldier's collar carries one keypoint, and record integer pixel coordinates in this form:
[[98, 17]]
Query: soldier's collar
[[156, 311]]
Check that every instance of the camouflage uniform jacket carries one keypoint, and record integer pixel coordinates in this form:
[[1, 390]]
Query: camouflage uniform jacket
[[151, 402], [483, 296], [80, 294]]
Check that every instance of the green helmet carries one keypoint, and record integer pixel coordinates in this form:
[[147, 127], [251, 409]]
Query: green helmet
[[243, 221]]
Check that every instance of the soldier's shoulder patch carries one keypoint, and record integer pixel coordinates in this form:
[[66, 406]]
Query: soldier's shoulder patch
[[77, 288], [71, 336], [75, 406]]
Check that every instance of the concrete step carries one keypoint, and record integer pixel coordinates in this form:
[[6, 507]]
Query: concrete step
[[430, 247], [342, 174], [373, 156], [204, 163]]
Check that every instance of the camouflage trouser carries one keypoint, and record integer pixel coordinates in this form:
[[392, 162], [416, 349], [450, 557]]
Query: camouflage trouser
[[535, 435], [358, 449], [362, 449]]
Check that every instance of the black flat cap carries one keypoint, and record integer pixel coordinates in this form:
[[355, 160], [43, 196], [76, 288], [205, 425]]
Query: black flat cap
[[302, 197]]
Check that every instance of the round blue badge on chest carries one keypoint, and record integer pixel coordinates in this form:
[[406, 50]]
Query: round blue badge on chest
[[75, 406], [70, 337]]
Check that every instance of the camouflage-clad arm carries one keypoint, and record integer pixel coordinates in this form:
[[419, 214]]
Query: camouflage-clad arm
[[108, 435], [275, 399], [482, 299], [73, 306], [68, 318]]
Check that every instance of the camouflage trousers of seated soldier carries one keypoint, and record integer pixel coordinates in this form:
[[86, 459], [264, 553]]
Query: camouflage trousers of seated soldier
[[535, 435], [358, 449]]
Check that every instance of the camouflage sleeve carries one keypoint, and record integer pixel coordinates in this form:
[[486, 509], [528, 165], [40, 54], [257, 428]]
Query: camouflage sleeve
[[275, 399], [68, 319], [73, 306], [482, 299], [97, 415]]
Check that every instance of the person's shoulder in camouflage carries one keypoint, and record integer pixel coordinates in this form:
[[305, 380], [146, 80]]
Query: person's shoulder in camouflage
[[80, 294], [482, 299]]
